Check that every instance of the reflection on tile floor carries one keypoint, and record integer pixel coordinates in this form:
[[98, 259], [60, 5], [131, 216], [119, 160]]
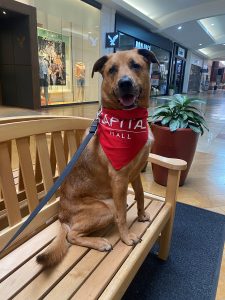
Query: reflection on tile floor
[[205, 184]]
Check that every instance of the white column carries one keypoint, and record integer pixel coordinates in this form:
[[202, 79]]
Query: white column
[[107, 25]]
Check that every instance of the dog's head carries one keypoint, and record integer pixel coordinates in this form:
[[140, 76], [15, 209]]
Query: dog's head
[[126, 82]]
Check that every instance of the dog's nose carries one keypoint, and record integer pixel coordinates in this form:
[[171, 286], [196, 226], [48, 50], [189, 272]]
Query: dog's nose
[[125, 82]]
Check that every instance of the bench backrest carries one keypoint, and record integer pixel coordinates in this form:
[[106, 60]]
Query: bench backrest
[[32, 154]]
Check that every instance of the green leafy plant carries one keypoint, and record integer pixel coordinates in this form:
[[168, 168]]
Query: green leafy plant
[[179, 112]]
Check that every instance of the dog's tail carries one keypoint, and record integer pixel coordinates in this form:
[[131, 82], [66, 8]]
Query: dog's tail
[[56, 250]]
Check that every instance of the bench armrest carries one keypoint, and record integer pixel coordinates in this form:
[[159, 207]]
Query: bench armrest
[[169, 163]]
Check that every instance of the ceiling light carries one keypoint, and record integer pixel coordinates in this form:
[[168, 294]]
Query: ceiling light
[[204, 51], [224, 44], [179, 28], [212, 24], [138, 7], [200, 44], [4, 12]]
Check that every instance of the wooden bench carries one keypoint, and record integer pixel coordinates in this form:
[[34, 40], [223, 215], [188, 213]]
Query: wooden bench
[[35, 151]]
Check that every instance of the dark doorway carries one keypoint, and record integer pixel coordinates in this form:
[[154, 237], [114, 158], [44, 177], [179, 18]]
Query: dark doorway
[[194, 80], [178, 68], [19, 78], [179, 75]]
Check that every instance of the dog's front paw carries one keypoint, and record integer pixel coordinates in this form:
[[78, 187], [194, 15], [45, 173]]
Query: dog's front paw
[[131, 239], [144, 217]]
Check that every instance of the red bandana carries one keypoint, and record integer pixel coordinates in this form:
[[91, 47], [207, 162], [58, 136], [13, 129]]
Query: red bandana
[[122, 134]]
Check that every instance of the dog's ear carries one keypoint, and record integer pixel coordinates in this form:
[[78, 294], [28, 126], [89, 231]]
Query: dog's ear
[[149, 56], [99, 64]]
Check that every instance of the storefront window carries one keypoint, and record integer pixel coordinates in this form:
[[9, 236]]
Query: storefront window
[[160, 74], [68, 46]]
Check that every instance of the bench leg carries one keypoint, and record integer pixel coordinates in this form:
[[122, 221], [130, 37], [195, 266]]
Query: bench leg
[[171, 196]]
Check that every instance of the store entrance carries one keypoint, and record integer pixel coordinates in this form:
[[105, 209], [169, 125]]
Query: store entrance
[[19, 80], [194, 80], [179, 75]]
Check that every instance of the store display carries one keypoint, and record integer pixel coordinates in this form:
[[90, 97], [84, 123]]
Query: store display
[[43, 75], [80, 78], [52, 48], [159, 77], [66, 38]]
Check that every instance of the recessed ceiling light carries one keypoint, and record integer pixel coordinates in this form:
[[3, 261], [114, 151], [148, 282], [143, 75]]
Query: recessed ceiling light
[[224, 44], [179, 28], [212, 24], [4, 12], [200, 44]]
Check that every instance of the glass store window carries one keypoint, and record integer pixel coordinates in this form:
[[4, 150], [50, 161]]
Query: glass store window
[[160, 74], [68, 46]]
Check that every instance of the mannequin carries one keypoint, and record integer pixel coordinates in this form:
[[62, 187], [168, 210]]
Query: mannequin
[[43, 75], [80, 76]]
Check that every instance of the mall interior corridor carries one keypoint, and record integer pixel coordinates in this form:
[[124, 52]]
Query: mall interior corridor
[[53, 55]]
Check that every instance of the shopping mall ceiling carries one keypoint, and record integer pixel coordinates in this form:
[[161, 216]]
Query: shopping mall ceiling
[[196, 24]]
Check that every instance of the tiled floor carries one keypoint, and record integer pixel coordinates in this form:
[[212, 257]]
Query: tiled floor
[[205, 185]]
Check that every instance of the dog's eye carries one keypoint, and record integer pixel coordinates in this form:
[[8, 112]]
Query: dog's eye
[[135, 65], [113, 70]]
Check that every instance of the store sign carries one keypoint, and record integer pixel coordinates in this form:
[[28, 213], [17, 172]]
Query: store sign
[[181, 52], [112, 40], [141, 45]]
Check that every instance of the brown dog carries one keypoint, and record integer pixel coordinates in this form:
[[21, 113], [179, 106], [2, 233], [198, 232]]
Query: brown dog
[[94, 194]]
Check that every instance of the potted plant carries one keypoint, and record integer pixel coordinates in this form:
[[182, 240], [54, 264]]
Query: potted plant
[[176, 126], [171, 90]]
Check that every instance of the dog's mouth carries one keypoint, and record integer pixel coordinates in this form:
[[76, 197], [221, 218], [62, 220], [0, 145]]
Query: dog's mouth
[[127, 92], [128, 100]]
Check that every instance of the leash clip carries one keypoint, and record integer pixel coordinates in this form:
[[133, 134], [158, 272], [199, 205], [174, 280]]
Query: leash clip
[[94, 126], [98, 113]]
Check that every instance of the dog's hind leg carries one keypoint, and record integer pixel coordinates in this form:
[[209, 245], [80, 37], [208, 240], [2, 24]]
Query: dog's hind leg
[[139, 197], [92, 218], [97, 243]]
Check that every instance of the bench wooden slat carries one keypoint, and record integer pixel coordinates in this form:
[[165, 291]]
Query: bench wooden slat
[[27, 172], [8, 187], [46, 213], [38, 176], [19, 279], [98, 280], [59, 150], [78, 136], [52, 156], [44, 159], [70, 135], [26, 251], [29, 128]]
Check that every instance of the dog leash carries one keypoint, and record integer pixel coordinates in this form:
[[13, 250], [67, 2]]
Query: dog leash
[[57, 183]]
